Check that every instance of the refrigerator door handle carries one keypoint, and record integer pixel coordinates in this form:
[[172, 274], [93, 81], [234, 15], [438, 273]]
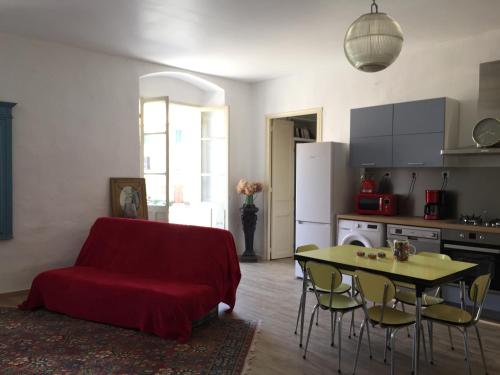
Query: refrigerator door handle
[[312, 222]]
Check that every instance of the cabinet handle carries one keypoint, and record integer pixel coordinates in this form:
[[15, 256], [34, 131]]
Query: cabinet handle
[[367, 164], [419, 163]]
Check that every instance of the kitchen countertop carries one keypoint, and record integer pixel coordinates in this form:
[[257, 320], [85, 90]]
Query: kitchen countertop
[[418, 221]]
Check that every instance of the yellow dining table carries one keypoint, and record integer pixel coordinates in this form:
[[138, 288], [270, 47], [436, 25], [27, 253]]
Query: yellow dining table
[[420, 271]]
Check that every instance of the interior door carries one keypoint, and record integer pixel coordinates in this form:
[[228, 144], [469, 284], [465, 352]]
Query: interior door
[[282, 189]]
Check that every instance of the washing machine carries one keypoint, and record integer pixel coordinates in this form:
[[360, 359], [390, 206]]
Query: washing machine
[[361, 233]]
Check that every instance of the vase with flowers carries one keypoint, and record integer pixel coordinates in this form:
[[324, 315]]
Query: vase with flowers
[[249, 216]]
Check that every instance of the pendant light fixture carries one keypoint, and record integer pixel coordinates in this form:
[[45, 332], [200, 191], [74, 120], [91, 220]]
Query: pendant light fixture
[[373, 41]]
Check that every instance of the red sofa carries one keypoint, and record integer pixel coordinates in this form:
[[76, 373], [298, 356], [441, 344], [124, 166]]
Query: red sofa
[[152, 276]]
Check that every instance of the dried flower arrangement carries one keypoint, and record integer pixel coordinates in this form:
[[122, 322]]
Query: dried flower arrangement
[[249, 189]]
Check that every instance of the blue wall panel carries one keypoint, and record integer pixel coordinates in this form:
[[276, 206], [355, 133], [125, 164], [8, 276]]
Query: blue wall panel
[[6, 170]]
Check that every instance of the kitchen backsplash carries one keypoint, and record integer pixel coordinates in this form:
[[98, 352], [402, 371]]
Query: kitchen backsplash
[[472, 190]]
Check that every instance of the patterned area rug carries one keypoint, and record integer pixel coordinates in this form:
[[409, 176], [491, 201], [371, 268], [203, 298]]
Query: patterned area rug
[[42, 342]]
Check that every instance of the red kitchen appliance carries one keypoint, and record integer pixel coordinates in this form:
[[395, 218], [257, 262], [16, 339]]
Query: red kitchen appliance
[[376, 204], [368, 184], [434, 204]]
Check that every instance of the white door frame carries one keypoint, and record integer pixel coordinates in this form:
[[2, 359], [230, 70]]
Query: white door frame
[[267, 201]]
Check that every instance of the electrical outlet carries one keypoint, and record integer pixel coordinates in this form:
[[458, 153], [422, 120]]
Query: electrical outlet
[[387, 175], [445, 174]]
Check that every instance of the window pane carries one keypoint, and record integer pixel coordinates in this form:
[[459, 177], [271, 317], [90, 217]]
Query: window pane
[[214, 189], [184, 155], [218, 217], [214, 156], [156, 188], [155, 153], [155, 117], [198, 214], [213, 124]]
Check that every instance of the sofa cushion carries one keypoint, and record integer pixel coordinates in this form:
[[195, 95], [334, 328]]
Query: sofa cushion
[[161, 307]]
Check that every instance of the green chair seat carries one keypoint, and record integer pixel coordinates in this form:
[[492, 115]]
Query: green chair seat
[[392, 317], [448, 314], [404, 285], [410, 298], [343, 288], [339, 302]]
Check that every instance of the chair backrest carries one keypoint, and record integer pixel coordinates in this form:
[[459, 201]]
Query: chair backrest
[[303, 248], [375, 288], [308, 247], [324, 276], [435, 255], [477, 293], [434, 291]]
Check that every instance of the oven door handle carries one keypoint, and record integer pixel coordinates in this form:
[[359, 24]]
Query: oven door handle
[[471, 248]]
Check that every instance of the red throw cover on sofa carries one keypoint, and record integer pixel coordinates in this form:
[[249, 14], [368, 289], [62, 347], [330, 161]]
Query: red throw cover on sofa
[[156, 277]]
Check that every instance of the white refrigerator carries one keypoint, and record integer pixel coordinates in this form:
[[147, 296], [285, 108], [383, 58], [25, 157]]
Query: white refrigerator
[[323, 188]]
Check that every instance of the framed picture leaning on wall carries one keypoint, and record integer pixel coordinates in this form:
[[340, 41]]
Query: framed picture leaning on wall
[[128, 197]]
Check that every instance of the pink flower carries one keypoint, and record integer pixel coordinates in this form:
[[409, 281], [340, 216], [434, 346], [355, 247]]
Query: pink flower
[[249, 188]]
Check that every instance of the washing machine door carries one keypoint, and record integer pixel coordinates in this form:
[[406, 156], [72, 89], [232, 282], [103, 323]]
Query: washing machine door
[[356, 239]]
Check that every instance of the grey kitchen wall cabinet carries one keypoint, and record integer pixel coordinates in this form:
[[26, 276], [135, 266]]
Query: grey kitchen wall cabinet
[[410, 134], [418, 150], [421, 129], [371, 137], [371, 152], [421, 116], [371, 121]]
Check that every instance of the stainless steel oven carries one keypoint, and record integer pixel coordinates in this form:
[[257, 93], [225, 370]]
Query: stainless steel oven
[[475, 247], [480, 248]]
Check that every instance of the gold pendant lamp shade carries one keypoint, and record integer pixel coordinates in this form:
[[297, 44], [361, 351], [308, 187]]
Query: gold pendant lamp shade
[[373, 41]]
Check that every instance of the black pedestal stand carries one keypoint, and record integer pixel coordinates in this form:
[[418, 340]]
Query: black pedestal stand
[[249, 221]]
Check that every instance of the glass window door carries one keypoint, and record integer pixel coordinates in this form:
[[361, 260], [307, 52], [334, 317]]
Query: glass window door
[[214, 165], [154, 126], [191, 187]]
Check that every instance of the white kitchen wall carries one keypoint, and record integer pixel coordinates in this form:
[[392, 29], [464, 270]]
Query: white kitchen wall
[[76, 125], [434, 70]]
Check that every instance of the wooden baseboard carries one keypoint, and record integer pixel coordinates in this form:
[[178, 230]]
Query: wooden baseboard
[[14, 294]]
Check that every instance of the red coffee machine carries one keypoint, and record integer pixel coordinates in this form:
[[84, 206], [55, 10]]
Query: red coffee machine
[[434, 204]]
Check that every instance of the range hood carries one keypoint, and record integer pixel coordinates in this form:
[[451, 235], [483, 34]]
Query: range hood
[[488, 105]]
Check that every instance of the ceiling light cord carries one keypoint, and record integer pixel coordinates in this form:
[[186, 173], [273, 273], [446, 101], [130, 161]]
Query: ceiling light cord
[[374, 5]]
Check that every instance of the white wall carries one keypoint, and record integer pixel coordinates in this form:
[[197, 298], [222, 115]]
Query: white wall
[[76, 125], [449, 69]]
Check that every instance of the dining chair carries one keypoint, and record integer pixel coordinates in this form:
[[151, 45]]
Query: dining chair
[[381, 291], [328, 278], [408, 297], [342, 288], [460, 317]]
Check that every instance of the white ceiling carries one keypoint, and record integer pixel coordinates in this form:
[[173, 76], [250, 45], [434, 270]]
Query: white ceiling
[[244, 39]]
